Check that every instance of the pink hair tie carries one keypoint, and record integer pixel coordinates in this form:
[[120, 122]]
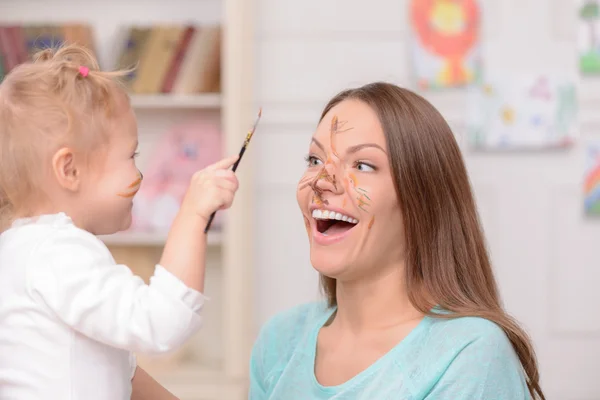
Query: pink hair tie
[[84, 71]]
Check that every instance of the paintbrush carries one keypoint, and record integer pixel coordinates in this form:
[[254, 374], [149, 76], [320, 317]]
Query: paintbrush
[[242, 151]]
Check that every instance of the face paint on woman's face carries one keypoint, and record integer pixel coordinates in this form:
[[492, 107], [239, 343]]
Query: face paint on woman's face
[[347, 184], [312, 182], [362, 198]]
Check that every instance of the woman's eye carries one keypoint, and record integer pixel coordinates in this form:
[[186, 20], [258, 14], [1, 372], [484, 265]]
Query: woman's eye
[[313, 161], [363, 167]]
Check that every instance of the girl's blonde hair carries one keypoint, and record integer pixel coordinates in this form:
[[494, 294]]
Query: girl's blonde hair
[[61, 98]]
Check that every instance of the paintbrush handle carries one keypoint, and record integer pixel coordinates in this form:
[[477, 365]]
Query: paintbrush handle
[[235, 165], [212, 216], [210, 220]]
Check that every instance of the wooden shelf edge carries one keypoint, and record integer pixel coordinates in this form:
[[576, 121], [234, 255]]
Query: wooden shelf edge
[[150, 239], [175, 101]]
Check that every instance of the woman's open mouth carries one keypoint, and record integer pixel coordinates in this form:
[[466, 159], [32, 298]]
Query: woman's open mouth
[[333, 224]]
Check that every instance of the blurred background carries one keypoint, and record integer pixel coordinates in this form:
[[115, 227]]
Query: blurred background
[[517, 80]]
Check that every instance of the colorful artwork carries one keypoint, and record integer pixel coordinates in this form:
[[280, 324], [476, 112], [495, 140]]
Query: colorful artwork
[[445, 43], [522, 113], [589, 37], [592, 181], [180, 152]]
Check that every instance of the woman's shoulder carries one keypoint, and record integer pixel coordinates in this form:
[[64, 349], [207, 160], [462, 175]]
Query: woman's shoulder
[[472, 354], [469, 337], [468, 329]]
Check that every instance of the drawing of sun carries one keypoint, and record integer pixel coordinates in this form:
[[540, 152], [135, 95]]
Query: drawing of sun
[[448, 29], [508, 115]]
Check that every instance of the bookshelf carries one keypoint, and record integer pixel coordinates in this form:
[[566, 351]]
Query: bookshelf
[[167, 101], [213, 365]]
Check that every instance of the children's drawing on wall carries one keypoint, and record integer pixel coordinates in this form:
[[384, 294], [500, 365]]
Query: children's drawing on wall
[[592, 180], [181, 152], [527, 113], [588, 39], [445, 42]]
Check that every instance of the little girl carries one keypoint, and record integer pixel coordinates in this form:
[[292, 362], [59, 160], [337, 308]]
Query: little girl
[[70, 317]]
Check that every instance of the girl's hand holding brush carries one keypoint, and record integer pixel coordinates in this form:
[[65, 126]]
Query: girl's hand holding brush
[[211, 189]]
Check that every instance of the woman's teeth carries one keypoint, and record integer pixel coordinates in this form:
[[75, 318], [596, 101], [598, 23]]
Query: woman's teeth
[[326, 214]]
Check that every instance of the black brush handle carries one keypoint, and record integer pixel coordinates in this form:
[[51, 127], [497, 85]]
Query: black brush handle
[[235, 165], [210, 220]]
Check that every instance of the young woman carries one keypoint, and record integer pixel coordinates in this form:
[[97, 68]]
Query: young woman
[[412, 308]]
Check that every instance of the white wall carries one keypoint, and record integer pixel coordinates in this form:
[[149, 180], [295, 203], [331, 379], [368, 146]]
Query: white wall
[[542, 249]]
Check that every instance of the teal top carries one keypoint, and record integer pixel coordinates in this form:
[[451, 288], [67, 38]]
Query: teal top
[[441, 359]]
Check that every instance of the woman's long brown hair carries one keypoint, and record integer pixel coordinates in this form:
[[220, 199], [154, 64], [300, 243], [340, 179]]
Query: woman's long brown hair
[[447, 263]]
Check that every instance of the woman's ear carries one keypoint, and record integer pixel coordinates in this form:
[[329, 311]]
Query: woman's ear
[[65, 169]]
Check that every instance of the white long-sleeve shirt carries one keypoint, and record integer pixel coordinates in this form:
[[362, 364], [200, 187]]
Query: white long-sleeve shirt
[[71, 318]]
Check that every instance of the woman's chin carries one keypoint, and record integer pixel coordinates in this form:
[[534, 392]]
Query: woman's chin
[[330, 265]]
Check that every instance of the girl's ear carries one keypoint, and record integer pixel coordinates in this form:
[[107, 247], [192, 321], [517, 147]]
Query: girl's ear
[[65, 169]]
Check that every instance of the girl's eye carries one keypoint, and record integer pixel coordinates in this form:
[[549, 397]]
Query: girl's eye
[[363, 167], [137, 153], [312, 161]]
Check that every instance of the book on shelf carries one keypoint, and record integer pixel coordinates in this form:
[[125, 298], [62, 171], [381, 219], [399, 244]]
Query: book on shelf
[[166, 59], [18, 43], [172, 59]]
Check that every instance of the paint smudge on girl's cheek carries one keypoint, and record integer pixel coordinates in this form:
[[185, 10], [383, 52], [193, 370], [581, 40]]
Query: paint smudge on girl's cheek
[[133, 188], [371, 222], [344, 203]]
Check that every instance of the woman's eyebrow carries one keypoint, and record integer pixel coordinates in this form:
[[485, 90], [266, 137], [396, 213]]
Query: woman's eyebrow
[[354, 149], [319, 144]]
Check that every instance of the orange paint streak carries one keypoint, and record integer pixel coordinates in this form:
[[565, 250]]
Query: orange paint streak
[[136, 184], [128, 195], [353, 179], [344, 203], [332, 132], [371, 222]]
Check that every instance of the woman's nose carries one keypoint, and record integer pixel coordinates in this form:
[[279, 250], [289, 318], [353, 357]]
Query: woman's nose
[[327, 180]]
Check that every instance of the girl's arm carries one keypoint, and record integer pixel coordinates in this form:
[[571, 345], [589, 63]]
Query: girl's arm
[[144, 387], [211, 189], [75, 276]]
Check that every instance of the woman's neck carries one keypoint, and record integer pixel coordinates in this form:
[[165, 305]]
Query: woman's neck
[[374, 303]]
